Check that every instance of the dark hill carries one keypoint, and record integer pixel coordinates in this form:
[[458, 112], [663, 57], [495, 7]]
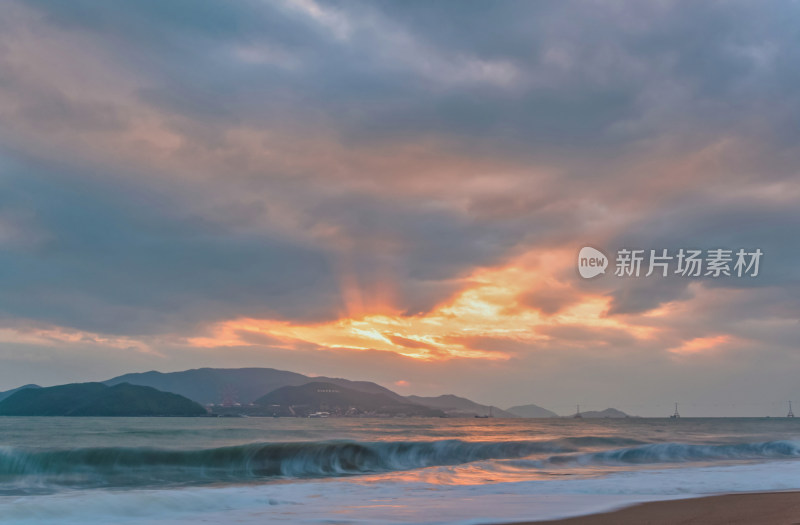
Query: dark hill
[[237, 385], [609, 413], [7, 393], [338, 400], [97, 399]]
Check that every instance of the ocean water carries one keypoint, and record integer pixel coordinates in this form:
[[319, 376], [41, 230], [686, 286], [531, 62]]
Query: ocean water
[[447, 471]]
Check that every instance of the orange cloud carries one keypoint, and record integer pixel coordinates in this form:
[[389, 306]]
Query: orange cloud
[[700, 345], [489, 306], [49, 335]]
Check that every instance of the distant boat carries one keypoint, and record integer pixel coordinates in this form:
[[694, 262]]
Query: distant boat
[[319, 414], [790, 414], [578, 414], [675, 415]]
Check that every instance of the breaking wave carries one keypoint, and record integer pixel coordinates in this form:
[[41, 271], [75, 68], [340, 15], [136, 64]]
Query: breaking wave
[[660, 453], [125, 467]]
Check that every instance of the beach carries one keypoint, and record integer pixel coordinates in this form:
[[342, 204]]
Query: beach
[[774, 508]]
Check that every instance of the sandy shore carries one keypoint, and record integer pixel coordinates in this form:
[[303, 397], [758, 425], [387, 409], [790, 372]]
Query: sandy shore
[[775, 508]]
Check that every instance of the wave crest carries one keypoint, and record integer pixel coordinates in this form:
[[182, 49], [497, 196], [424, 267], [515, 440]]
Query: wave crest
[[116, 466]]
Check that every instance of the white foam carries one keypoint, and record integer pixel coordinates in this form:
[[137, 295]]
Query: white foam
[[382, 501]]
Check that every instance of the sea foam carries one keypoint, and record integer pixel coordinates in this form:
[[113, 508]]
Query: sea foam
[[363, 500]]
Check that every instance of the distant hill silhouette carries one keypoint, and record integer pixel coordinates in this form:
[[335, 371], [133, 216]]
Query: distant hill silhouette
[[531, 411], [609, 413], [241, 385], [244, 391], [455, 406], [8, 393], [97, 399], [338, 400]]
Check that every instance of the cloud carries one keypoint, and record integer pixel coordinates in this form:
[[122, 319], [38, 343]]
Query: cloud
[[169, 169], [131, 261]]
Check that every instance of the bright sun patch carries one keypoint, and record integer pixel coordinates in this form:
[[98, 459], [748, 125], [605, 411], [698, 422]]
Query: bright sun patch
[[488, 308]]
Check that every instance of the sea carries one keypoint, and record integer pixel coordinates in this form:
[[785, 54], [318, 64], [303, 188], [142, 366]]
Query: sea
[[376, 471]]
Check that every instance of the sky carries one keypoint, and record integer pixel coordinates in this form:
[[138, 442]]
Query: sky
[[398, 192]]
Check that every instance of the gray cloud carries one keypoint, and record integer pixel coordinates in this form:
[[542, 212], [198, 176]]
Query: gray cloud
[[121, 259], [584, 81]]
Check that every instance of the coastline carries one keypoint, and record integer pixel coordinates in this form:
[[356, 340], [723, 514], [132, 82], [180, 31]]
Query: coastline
[[760, 508]]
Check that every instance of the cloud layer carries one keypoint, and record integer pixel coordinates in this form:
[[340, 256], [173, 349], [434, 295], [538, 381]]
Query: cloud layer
[[344, 185]]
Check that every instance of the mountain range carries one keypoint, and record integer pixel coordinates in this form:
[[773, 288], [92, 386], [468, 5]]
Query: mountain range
[[243, 386], [455, 406], [252, 391], [237, 385], [335, 399]]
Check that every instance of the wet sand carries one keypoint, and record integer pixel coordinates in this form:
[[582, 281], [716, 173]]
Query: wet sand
[[775, 508]]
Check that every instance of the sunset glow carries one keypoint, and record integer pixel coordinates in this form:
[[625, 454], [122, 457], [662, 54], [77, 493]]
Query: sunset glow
[[489, 307]]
